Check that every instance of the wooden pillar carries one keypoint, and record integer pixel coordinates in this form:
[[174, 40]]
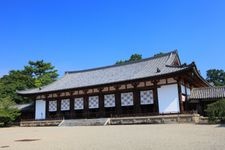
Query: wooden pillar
[[34, 116], [155, 97], [180, 96], [118, 100], [86, 109], [58, 106], [136, 99], [46, 107], [71, 105], [101, 103], [186, 98]]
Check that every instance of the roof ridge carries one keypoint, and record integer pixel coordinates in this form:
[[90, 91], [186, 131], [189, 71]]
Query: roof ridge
[[126, 63]]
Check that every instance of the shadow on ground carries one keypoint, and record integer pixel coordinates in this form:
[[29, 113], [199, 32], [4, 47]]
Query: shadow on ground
[[221, 125], [27, 140]]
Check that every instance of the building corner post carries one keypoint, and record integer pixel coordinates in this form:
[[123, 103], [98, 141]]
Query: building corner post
[[180, 96]]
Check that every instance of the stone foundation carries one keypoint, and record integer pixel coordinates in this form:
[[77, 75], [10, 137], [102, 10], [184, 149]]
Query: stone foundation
[[167, 119], [161, 119], [40, 123]]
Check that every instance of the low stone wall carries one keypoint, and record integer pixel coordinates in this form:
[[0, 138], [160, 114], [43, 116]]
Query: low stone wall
[[161, 119], [40, 123], [189, 118]]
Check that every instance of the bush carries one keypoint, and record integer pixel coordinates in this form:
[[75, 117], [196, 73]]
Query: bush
[[8, 112], [216, 111]]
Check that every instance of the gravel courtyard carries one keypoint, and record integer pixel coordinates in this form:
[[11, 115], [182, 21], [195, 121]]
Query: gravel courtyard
[[136, 137]]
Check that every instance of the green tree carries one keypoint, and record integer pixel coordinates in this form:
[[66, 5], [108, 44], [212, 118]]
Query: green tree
[[35, 74], [216, 76], [137, 57], [8, 111], [42, 73], [216, 111], [134, 57], [159, 54], [16, 80]]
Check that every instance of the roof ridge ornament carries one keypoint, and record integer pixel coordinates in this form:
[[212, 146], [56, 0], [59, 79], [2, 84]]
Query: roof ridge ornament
[[158, 70]]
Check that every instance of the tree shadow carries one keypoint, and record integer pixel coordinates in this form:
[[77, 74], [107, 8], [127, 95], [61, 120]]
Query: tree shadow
[[6, 146], [27, 140], [221, 126]]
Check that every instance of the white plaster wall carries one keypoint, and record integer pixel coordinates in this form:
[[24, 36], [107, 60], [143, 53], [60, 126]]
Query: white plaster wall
[[40, 109], [188, 91], [168, 99], [183, 89]]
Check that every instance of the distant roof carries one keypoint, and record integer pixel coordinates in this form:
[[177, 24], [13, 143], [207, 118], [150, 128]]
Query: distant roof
[[207, 93], [150, 67], [24, 106]]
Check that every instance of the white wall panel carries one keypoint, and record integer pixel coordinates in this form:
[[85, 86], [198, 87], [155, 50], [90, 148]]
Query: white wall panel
[[188, 91], [93, 102], [183, 89], [168, 99], [65, 104], [52, 107], [127, 99], [79, 103], [146, 97], [109, 100], [40, 109]]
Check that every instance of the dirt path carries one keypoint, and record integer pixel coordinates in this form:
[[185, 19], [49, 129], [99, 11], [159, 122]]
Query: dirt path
[[140, 137]]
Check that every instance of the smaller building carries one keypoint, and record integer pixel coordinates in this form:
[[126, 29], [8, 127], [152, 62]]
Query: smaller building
[[201, 97], [26, 110]]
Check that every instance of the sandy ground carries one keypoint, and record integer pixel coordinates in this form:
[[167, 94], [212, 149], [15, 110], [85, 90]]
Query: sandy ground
[[136, 137]]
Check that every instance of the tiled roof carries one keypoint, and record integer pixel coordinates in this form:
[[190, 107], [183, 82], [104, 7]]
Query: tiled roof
[[207, 93], [149, 67], [24, 106]]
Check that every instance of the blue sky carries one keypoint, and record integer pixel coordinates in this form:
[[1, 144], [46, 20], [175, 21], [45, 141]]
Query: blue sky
[[81, 34]]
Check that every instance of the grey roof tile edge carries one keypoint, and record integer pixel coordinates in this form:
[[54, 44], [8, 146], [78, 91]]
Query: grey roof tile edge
[[207, 93]]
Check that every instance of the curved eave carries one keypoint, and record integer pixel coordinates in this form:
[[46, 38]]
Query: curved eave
[[201, 79]]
